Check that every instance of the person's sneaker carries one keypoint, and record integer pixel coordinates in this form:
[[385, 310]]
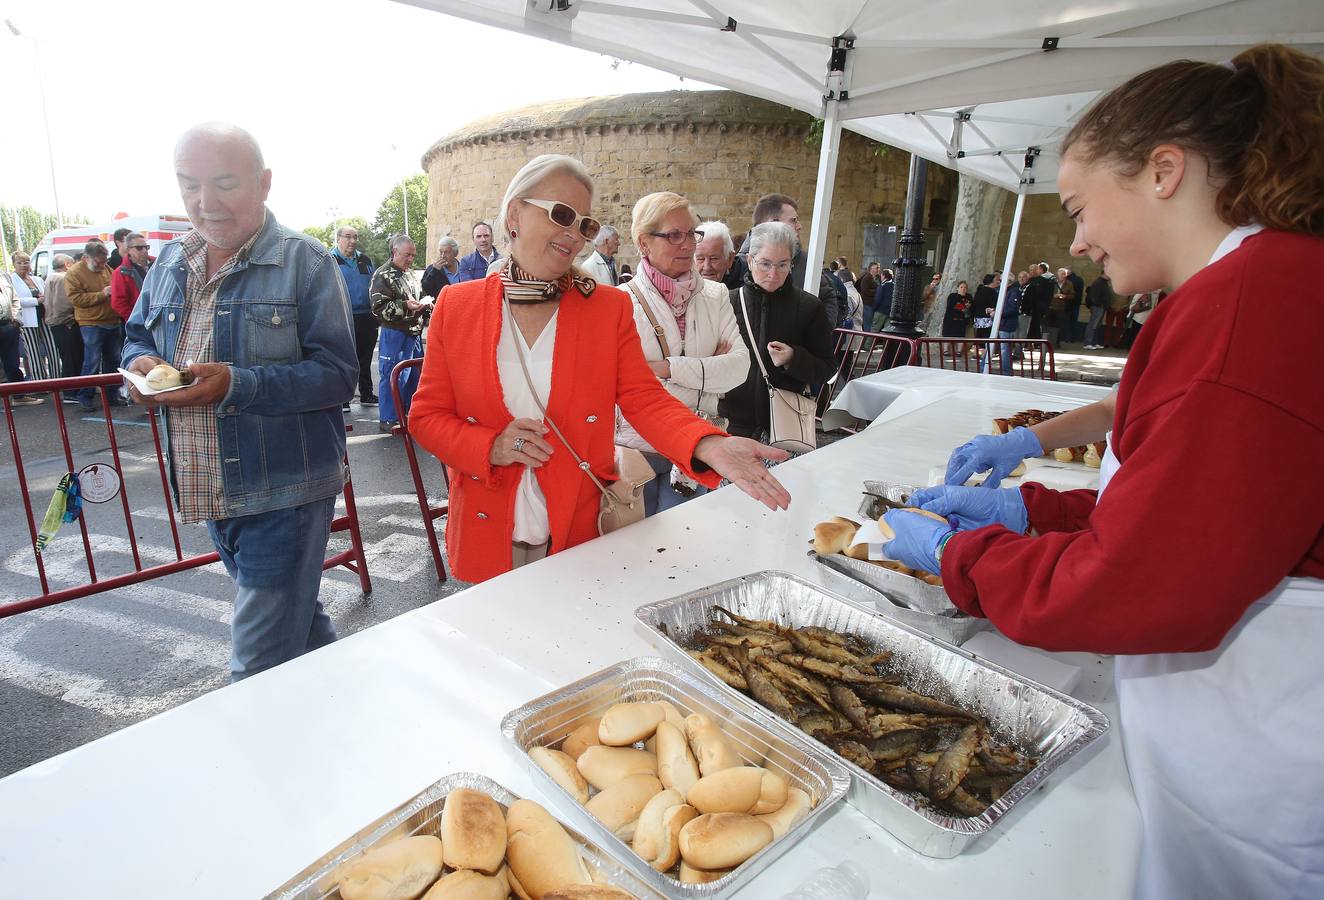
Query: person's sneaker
[[87, 405], [368, 400], [27, 400], [344, 407], [70, 398], [119, 401], [386, 427]]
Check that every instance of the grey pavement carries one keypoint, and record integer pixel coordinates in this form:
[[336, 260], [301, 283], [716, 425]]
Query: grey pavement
[[83, 669]]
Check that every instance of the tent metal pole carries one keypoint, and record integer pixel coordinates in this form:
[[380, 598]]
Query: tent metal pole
[[1006, 274], [827, 176]]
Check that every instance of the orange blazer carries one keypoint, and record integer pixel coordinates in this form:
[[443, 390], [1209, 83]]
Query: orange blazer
[[597, 365]]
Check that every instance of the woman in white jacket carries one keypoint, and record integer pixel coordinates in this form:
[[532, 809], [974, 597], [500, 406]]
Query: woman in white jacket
[[687, 329]]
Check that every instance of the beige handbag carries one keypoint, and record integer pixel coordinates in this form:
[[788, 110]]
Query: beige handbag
[[623, 500], [790, 413]]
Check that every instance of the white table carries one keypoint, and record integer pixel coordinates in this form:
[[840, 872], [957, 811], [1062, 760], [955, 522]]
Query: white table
[[231, 794]]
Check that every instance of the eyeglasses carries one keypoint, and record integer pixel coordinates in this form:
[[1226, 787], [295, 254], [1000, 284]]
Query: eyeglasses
[[568, 217], [765, 265], [678, 237]]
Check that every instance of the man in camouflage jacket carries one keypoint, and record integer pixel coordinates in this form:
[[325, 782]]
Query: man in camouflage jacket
[[395, 303]]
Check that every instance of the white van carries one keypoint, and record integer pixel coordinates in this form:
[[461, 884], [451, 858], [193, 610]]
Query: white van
[[70, 239]]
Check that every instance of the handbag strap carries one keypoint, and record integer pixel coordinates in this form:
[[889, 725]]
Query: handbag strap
[[528, 379], [658, 331], [754, 341]]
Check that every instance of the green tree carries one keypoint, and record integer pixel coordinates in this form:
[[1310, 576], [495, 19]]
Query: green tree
[[327, 234], [34, 224], [390, 218]]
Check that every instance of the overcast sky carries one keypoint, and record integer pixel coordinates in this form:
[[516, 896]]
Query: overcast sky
[[327, 88]]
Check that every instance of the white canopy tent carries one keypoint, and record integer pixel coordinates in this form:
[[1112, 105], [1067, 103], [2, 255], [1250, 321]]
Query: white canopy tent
[[987, 89]]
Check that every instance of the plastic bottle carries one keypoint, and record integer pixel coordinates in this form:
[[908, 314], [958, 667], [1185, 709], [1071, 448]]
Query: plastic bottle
[[847, 881]]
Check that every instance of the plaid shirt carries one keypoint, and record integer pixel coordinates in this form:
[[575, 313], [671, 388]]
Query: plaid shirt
[[195, 452]]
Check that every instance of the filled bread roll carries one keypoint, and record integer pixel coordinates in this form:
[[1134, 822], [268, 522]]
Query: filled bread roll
[[711, 748], [648, 832], [626, 723], [473, 831], [604, 766], [691, 875], [834, 536], [583, 737], [723, 840], [589, 892], [163, 376], [677, 768], [466, 884], [795, 808], [618, 806], [733, 790], [563, 771], [858, 551], [400, 870], [772, 794], [540, 853], [889, 532]]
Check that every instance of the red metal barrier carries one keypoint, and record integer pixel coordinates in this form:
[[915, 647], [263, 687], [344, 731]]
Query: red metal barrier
[[860, 353], [1026, 357], [352, 559], [429, 512]]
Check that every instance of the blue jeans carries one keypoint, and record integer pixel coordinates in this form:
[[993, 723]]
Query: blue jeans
[[659, 495], [1092, 329], [275, 559], [101, 354], [394, 347], [1006, 353]]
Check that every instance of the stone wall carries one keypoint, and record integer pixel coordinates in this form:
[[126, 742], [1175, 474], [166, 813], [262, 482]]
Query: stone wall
[[720, 149], [1046, 235]]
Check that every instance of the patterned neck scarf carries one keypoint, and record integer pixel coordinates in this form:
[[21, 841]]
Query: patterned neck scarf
[[521, 287], [676, 291]]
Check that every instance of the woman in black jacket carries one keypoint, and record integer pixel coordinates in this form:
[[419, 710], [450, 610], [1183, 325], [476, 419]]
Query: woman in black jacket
[[791, 331]]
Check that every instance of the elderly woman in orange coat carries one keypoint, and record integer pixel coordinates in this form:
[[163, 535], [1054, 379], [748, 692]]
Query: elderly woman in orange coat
[[539, 334]]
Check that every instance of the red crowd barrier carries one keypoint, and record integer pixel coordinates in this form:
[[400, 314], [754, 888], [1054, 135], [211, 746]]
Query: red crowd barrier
[[860, 353], [429, 512], [1029, 357], [352, 559]]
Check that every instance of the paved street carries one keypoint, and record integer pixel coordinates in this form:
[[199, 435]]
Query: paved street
[[75, 672]]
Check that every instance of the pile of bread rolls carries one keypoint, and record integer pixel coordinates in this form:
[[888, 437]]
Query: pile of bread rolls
[[484, 852], [687, 797], [837, 535], [1089, 454]]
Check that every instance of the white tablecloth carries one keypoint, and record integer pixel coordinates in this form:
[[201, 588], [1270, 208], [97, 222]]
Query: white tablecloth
[[231, 794]]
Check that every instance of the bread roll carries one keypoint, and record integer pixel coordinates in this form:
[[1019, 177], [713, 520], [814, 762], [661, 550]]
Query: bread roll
[[1094, 454], [691, 875], [583, 737], [589, 892], [466, 884], [563, 771], [772, 794], [858, 551], [711, 748], [541, 854], [676, 767], [515, 887], [604, 766], [723, 840], [473, 831], [834, 536], [619, 805], [400, 870], [733, 790], [795, 808], [889, 532], [162, 377], [626, 723], [674, 821], [673, 715], [648, 833]]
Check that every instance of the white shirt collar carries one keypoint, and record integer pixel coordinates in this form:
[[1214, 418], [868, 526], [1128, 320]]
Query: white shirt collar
[[1234, 239]]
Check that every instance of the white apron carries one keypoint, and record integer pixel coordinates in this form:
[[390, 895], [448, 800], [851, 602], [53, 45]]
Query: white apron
[[1226, 748]]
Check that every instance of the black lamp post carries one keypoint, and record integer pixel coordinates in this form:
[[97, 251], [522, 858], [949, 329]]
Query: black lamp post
[[906, 306]]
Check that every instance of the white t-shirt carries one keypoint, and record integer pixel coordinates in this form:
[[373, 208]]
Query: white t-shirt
[[531, 524]]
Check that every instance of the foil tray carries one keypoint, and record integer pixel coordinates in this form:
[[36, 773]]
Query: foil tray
[[1031, 717], [421, 814], [760, 738], [954, 629]]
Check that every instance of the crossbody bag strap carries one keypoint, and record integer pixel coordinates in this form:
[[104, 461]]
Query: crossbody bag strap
[[658, 331], [528, 379], [753, 339]]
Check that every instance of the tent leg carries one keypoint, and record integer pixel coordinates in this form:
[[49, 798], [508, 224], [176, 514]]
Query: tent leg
[[1006, 274], [827, 176]]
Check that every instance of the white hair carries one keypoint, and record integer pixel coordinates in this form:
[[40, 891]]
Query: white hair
[[718, 229], [343, 228], [605, 234], [61, 261], [448, 241], [772, 233], [399, 240], [536, 171]]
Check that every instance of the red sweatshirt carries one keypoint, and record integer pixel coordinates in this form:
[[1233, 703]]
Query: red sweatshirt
[[1220, 431]]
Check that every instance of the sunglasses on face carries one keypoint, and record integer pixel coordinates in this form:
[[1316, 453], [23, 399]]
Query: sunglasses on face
[[566, 216], [678, 237]]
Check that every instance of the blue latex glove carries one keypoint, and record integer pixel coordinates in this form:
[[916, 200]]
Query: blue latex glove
[[975, 507], [999, 452], [917, 539]]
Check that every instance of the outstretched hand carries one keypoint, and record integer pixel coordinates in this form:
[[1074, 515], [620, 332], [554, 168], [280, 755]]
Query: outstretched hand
[[740, 461]]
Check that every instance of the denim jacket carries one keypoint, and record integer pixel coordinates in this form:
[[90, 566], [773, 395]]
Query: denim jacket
[[282, 321]]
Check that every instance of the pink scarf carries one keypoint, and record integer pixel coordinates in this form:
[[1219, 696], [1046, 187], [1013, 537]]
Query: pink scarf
[[676, 291]]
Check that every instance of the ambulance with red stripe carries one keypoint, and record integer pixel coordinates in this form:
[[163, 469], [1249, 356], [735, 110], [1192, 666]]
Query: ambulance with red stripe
[[72, 238]]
